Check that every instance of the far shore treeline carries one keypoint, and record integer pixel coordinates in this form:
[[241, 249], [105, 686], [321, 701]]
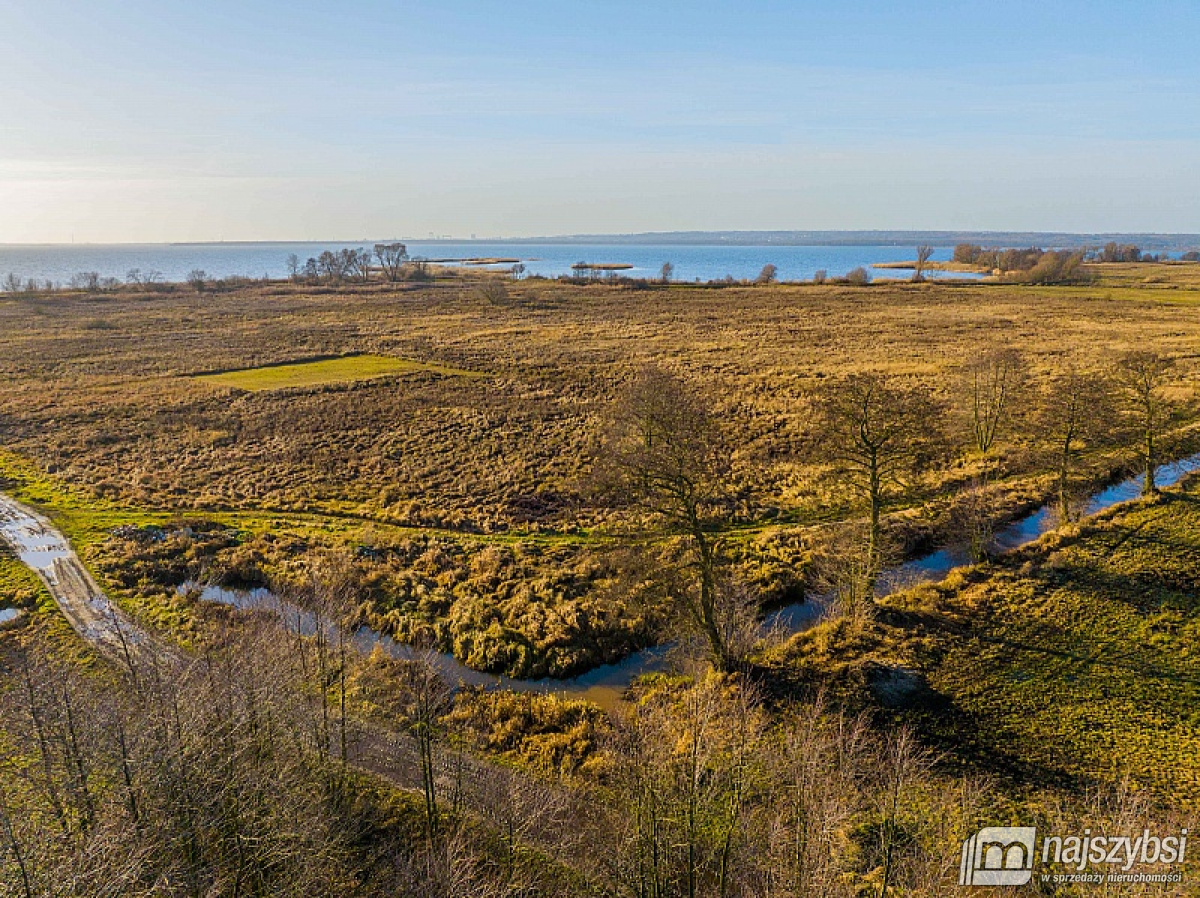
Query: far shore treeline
[[391, 262]]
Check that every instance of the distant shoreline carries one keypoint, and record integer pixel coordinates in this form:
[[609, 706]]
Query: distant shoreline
[[934, 266], [1150, 241]]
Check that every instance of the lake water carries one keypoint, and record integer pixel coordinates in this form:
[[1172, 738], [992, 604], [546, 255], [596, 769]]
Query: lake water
[[58, 263]]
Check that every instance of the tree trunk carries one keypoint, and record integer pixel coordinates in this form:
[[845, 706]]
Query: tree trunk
[[875, 535], [706, 616], [1150, 487]]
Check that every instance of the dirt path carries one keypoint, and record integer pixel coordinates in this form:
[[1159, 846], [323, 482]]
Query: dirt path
[[97, 620]]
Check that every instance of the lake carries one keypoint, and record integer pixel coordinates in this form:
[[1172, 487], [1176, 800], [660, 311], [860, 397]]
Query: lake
[[59, 262]]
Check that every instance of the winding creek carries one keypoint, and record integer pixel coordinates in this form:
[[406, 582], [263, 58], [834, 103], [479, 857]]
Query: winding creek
[[49, 554]]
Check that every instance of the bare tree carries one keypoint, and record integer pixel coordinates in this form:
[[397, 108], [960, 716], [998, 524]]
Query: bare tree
[[361, 264], [993, 380], [876, 433], [1073, 412], [493, 291], [973, 518], [903, 762], [924, 254], [666, 272], [817, 776], [424, 699], [293, 266], [768, 275], [858, 277], [664, 451], [197, 279], [140, 278], [391, 258], [844, 573], [1143, 376], [688, 773], [332, 266], [86, 280], [418, 270]]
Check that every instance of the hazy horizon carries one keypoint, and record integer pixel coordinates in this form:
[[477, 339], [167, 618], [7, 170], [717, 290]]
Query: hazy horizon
[[856, 237], [146, 122]]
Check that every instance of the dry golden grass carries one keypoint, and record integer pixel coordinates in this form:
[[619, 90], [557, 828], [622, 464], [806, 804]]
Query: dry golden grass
[[935, 266], [1151, 275], [90, 390]]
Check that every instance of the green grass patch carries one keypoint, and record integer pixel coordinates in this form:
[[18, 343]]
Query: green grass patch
[[19, 586], [345, 369], [1072, 662], [1079, 660]]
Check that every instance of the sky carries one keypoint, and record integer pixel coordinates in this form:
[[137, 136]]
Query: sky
[[139, 121]]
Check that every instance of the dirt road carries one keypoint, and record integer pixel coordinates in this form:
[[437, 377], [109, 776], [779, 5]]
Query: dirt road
[[97, 620]]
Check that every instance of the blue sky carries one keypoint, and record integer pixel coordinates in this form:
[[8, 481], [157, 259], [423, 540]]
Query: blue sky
[[140, 121]]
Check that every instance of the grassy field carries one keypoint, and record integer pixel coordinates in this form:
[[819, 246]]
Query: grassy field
[[1164, 276], [346, 369], [503, 452], [466, 499], [1081, 657], [1071, 662], [19, 587]]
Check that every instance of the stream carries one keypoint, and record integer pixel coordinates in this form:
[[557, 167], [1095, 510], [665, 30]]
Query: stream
[[605, 684], [48, 553]]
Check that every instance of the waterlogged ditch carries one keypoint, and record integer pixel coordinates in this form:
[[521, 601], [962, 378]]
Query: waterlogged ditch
[[45, 550]]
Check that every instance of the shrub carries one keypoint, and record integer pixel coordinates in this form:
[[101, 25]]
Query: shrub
[[493, 292], [1062, 267], [859, 277]]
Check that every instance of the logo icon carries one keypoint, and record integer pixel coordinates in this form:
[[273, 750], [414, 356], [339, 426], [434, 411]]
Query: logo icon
[[998, 856]]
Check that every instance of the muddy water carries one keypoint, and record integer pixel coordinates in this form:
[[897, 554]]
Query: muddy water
[[48, 553], [36, 545]]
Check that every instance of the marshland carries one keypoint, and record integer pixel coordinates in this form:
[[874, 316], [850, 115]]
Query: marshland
[[542, 476]]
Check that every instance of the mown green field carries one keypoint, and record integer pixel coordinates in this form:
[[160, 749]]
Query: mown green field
[[347, 369]]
